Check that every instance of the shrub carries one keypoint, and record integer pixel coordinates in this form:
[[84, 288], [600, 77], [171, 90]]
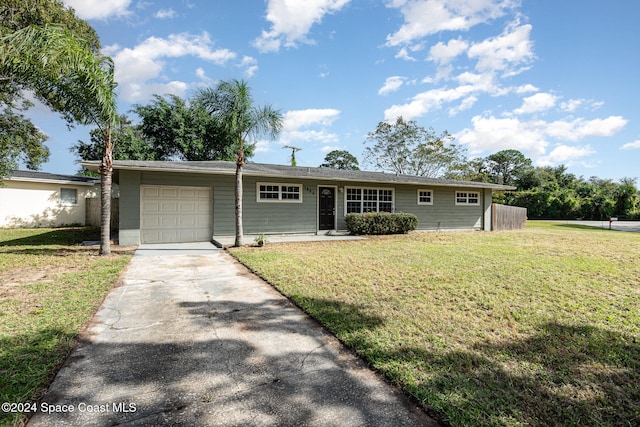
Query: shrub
[[381, 223]]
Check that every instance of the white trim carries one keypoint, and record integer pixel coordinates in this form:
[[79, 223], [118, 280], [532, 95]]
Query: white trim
[[431, 196], [279, 199], [467, 197], [335, 206], [392, 189]]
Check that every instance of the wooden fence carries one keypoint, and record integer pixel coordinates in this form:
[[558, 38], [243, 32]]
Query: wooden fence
[[505, 217], [92, 215]]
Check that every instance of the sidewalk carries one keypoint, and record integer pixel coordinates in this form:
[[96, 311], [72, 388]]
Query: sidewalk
[[197, 340]]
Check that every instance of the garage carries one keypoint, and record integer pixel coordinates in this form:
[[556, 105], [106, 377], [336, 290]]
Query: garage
[[173, 214]]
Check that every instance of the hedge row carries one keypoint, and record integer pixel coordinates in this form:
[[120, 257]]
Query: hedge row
[[381, 223]]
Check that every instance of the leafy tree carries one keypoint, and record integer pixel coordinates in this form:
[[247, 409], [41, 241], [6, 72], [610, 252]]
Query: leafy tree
[[506, 166], [404, 147], [67, 75], [178, 129], [626, 197], [128, 144], [232, 106], [20, 139], [471, 170], [340, 159]]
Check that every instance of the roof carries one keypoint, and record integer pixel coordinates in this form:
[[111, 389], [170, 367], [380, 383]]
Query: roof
[[33, 176], [280, 171]]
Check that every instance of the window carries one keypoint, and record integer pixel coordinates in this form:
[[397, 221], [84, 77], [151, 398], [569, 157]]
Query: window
[[468, 198], [361, 200], [68, 197], [425, 197], [291, 193]]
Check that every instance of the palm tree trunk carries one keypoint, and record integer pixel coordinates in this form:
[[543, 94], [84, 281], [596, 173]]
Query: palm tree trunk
[[239, 233], [106, 174], [239, 165]]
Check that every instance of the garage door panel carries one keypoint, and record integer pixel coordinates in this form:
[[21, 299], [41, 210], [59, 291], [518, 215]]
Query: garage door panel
[[169, 192], [175, 214], [150, 192], [188, 207]]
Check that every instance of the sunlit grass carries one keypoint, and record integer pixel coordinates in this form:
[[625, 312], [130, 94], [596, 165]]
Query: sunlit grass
[[535, 327], [49, 289]]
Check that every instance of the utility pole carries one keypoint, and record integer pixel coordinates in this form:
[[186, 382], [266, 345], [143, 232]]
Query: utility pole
[[293, 153]]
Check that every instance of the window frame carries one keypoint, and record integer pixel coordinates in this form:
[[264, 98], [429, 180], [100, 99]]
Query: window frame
[[366, 191], [430, 202], [280, 193], [64, 202], [467, 196]]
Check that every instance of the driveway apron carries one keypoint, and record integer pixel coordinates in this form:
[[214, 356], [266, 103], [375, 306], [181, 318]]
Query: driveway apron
[[195, 339]]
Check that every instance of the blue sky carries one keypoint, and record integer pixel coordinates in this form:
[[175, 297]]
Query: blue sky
[[556, 80]]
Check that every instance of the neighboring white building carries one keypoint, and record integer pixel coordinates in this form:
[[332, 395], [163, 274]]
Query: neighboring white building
[[40, 199]]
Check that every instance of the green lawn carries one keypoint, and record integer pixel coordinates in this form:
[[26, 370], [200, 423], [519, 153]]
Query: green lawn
[[49, 288], [535, 327]]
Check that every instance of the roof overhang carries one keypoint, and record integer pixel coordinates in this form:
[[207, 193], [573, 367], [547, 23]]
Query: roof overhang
[[267, 171], [52, 181]]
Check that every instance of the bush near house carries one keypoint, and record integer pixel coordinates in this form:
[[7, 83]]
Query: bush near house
[[381, 223]]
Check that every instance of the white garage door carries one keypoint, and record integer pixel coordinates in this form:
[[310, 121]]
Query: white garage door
[[175, 214]]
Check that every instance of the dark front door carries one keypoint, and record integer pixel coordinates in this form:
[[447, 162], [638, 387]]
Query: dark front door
[[327, 211]]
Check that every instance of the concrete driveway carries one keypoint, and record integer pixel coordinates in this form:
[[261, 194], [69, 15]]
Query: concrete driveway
[[192, 338]]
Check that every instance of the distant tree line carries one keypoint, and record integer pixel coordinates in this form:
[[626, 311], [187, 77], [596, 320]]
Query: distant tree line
[[551, 192]]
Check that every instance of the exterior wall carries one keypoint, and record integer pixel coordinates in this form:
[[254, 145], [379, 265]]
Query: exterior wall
[[296, 217], [276, 217], [129, 227], [38, 204], [443, 214]]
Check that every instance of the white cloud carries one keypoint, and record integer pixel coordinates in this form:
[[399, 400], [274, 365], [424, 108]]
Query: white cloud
[[445, 53], [309, 126], [494, 134], [404, 54], [635, 145], [566, 154], [580, 128], [573, 104], [470, 85], [250, 65], [291, 21], [143, 91], [507, 52], [297, 119], [134, 67], [539, 102], [165, 14], [426, 17], [99, 9], [328, 148], [526, 89], [491, 134], [466, 103], [298, 136], [392, 84]]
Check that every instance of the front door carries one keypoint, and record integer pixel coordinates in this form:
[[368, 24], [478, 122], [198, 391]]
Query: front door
[[327, 208]]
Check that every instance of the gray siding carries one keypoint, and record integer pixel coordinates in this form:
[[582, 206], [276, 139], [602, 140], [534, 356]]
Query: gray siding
[[443, 213], [281, 217]]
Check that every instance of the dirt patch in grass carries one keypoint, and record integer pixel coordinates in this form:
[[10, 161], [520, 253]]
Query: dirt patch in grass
[[538, 327], [49, 289]]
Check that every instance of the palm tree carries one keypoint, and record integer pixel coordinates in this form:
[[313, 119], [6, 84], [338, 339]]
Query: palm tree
[[70, 78], [231, 104]]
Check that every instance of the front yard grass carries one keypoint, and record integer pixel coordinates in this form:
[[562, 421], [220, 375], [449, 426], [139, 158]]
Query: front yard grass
[[49, 289], [534, 327]]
